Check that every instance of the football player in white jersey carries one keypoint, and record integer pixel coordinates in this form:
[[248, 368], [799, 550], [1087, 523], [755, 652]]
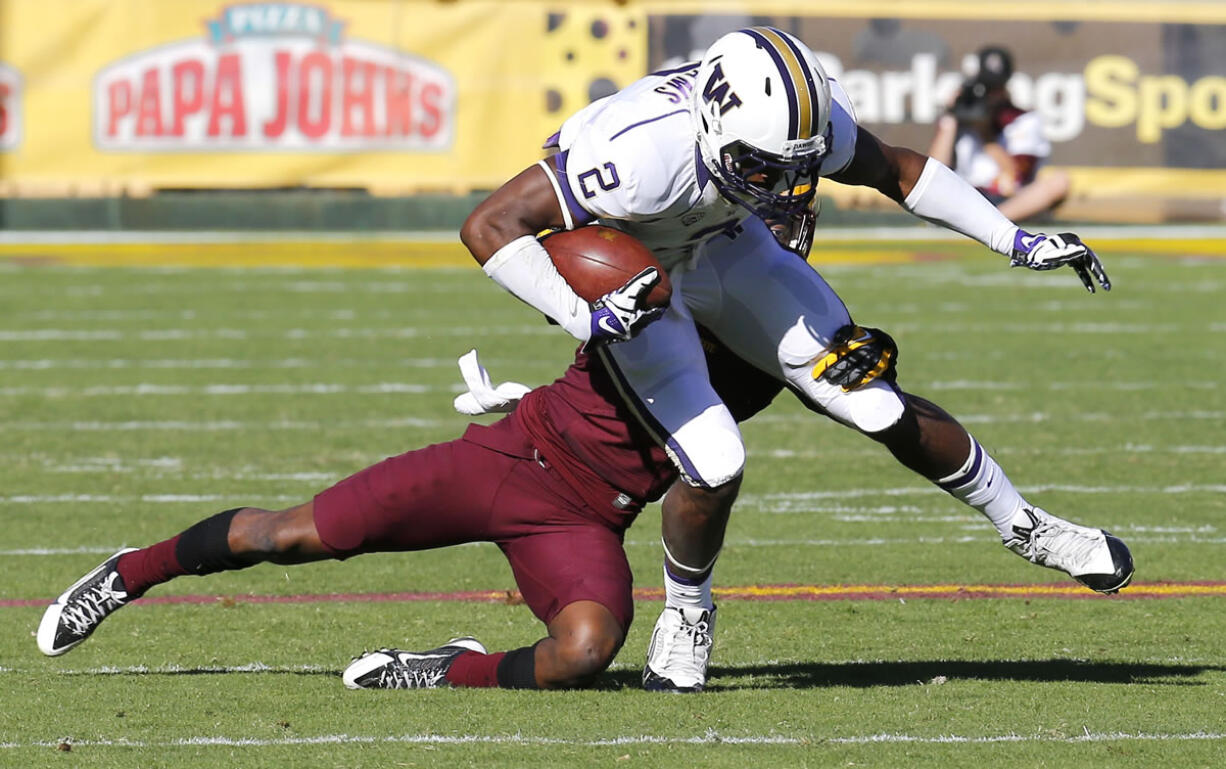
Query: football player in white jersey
[[714, 166]]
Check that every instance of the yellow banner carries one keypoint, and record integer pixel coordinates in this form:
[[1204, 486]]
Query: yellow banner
[[397, 96]]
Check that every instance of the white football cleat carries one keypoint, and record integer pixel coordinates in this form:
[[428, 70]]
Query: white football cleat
[[680, 650], [399, 669], [1093, 557], [81, 608]]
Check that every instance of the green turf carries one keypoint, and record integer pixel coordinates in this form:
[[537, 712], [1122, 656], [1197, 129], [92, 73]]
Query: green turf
[[135, 402]]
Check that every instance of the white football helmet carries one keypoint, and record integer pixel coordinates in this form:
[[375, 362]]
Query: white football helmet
[[761, 109]]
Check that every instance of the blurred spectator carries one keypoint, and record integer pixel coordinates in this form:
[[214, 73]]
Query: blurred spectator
[[994, 145]]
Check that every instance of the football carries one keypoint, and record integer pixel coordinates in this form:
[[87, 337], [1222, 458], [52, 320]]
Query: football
[[595, 260]]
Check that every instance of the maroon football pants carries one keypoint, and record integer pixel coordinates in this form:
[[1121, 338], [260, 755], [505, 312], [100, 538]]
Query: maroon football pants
[[488, 486]]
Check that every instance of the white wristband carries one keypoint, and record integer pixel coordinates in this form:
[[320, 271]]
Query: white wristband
[[942, 197], [524, 268]]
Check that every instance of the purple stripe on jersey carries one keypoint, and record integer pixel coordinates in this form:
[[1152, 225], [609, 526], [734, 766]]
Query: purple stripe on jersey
[[648, 420], [969, 475], [648, 120], [578, 213], [785, 76], [689, 65], [552, 142]]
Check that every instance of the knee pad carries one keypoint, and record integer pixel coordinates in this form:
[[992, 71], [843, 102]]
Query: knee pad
[[870, 409], [708, 450]]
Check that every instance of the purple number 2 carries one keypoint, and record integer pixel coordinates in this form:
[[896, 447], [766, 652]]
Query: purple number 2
[[606, 184]]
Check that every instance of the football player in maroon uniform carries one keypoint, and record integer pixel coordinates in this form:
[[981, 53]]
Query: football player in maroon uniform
[[555, 484]]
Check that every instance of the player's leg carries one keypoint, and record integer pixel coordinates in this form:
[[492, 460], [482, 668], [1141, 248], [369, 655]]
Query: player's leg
[[693, 524], [663, 376], [932, 443], [393, 505], [233, 539], [572, 573], [846, 372], [583, 639]]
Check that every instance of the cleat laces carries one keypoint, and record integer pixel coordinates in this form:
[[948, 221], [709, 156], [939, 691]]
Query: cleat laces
[[425, 674], [83, 612], [691, 645], [1074, 547], [1055, 543]]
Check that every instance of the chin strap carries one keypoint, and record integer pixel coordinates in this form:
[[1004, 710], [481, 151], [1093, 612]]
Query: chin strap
[[796, 232]]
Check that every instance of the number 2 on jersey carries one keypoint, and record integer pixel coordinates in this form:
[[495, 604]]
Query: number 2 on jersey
[[605, 176]]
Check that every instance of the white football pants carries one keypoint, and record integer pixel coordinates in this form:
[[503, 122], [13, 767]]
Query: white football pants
[[770, 308]]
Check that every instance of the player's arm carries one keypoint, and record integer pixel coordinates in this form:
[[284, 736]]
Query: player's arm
[[501, 235], [523, 206], [931, 191]]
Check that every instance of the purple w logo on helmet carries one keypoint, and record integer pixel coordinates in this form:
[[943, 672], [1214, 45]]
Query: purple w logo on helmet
[[718, 91]]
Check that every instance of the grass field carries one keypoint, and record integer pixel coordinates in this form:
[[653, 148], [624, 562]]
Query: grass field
[[136, 400]]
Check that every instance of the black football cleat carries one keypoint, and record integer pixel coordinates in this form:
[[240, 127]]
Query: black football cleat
[[399, 669], [81, 608]]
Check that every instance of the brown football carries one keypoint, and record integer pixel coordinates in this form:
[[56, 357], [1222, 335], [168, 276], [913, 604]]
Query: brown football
[[595, 260]]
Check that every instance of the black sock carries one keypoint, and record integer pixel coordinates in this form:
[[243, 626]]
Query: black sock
[[205, 547], [517, 670]]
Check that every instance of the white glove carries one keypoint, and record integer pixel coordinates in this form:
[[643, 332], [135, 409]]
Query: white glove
[[620, 314], [482, 396], [1047, 252]]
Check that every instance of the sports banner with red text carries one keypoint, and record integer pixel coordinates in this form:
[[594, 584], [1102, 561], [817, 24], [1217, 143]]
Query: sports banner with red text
[[396, 96], [106, 96]]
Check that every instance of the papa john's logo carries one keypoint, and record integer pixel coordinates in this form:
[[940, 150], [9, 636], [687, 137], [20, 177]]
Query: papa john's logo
[[10, 108], [273, 77]]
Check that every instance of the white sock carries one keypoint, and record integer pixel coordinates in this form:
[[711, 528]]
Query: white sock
[[680, 592], [981, 484]]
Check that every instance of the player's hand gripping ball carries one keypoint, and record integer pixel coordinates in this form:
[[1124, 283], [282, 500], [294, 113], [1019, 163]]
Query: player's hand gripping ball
[[622, 280]]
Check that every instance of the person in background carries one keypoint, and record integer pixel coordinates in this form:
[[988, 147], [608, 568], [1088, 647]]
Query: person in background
[[996, 146]]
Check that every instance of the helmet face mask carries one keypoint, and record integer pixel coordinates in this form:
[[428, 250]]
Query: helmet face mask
[[766, 184], [762, 117]]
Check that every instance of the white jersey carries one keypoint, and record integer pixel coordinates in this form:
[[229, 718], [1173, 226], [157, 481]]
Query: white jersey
[[631, 161]]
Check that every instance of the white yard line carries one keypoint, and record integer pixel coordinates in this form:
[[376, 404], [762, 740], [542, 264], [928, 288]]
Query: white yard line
[[41, 364], [411, 332], [113, 237], [710, 737], [179, 334], [401, 422], [758, 503], [140, 389], [796, 497], [223, 425], [159, 499], [1039, 417], [147, 388]]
